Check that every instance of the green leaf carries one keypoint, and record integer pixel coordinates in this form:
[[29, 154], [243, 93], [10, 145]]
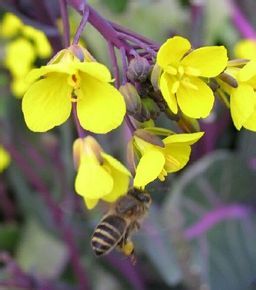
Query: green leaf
[[41, 253], [210, 205], [156, 244]]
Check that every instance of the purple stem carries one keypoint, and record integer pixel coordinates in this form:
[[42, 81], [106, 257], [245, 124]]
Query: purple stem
[[100, 23], [6, 204], [65, 21], [56, 212], [128, 270], [210, 219], [140, 43], [80, 131], [127, 31], [124, 64], [113, 59], [241, 23], [81, 26]]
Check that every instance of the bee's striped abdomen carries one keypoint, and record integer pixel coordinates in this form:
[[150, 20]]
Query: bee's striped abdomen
[[107, 234]]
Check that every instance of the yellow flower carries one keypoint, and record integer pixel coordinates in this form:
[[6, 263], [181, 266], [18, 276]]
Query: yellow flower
[[5, 159], [41, 43], [180, 82], [157, 161], [246, 48], [19, 57], [10, 25], [243, 98], [48, 101], [99, 176]]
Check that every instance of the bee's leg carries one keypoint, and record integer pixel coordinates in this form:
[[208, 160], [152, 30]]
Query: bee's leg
[[128, 250]]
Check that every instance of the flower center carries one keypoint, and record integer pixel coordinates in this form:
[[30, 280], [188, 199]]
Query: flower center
[[74, 80], [181, 76]]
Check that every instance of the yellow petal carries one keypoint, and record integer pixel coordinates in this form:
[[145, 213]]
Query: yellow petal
[[242, 103], [115, 164], [95, 70], [20, 56], [196, 100], [187, 139], [149, 167], [100, 107], [10, 25], [165, 87], [245, 49], [120, 175], [92, 180], [47, 103], [41, 42], [90, 203], [209, 61], [247, 72], [36, 73], [250, 124], [177, 156], [19, 87], [172, 51], [5, 159]]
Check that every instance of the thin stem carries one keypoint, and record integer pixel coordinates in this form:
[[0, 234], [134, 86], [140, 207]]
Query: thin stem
[[127, 31], [65, 21], [210, 219], [80, 131], [130, 124], [113, 59], [56, 212], [81, 26], [241, 23], [140, 43], [6, 204], [124, 64]]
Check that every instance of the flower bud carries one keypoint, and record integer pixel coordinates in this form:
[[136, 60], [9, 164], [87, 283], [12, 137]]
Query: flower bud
[[155, 75], [228, 79], [138, 69], [189, 125], [151, 107], [131, 97]]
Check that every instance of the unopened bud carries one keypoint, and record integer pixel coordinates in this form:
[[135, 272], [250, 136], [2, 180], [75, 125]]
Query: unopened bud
[[228, 79], [189, 125], [149, 137], [152, 107], [138, 69], [131, 97], [155, 76]]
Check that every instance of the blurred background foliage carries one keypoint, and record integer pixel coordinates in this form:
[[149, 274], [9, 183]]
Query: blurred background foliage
[[201, 230]]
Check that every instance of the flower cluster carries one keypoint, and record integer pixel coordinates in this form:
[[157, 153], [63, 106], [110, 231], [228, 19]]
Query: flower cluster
[[23, 45], [177, 81]]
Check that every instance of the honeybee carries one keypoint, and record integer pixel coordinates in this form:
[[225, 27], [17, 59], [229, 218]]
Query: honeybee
[[123, 218]]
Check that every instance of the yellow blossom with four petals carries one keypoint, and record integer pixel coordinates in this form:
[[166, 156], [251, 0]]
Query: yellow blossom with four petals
[[48, 101], [99, 176], [243, 98], [181, 81], [157, 162]]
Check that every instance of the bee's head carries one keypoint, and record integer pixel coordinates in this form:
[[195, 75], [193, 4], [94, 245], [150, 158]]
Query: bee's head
[[141, 196]]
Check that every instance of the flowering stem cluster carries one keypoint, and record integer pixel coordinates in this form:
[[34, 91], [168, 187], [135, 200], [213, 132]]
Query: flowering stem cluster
[[172, 79]]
